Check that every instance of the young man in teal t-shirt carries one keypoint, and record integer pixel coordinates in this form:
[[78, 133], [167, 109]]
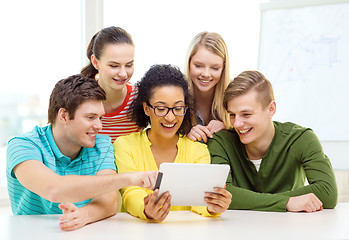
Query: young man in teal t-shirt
[[66, 167], [269, 160]]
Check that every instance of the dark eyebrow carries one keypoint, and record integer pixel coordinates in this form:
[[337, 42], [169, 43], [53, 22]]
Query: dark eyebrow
[[161, 102], [94, 114]]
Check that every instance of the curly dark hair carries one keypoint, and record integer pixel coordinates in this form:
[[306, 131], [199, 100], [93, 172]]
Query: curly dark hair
[[157, 76], [71, 92]]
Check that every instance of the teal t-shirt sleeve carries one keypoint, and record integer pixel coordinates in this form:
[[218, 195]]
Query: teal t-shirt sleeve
[[109, 158], [20, 150], [318, 170]]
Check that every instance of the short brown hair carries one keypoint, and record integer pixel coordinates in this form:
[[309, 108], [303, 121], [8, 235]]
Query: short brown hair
[[247, 81], [70, 93]]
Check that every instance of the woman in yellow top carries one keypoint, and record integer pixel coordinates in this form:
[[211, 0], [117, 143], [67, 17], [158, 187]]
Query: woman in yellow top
[[162, 102]]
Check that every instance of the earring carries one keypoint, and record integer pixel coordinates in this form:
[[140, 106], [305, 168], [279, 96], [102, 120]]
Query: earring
[[97, 76]]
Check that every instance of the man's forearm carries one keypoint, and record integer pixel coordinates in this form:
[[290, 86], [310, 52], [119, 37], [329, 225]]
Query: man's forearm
[[73, 188], [102, 207]]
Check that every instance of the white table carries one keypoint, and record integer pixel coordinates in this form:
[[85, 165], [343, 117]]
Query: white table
[[233, 224]]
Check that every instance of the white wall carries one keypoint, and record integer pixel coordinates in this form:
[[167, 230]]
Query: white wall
[[162, 30], [40, 44]]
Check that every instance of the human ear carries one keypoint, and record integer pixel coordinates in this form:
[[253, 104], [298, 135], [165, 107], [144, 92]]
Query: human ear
[[146, 109], [272, 108], [94, 61], [63, 115]]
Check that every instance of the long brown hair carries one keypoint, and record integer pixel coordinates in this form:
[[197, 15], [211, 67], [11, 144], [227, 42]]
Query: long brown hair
[[115, 35]]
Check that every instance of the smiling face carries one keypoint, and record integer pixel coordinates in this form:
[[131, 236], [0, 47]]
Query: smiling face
[[81, 131], [115, 66], [166, 126], [250, 119], [205, 70]]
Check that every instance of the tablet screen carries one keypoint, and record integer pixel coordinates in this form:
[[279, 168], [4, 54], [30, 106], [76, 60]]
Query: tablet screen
[[187, 183]]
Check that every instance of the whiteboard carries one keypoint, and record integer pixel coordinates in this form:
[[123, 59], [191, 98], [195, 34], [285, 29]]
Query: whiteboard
[[304, 52]]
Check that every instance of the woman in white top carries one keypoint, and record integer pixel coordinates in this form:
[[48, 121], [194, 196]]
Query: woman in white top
[[207, 72]]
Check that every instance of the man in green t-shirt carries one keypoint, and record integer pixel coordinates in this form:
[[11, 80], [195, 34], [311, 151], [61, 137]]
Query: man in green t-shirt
[[269, 160]]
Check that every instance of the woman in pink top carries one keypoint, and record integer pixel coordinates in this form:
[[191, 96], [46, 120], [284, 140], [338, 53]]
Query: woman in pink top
[[111, 55]]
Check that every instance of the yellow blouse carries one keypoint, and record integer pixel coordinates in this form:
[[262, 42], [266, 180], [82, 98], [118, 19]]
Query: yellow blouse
[[133, 153]]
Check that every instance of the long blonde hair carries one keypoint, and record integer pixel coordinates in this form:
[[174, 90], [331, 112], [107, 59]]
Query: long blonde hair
[[213, 42]]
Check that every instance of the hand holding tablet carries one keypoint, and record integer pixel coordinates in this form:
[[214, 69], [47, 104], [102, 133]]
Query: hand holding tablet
[[188, 184]]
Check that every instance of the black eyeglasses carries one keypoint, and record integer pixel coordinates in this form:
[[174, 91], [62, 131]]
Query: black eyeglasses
[[161, 111]]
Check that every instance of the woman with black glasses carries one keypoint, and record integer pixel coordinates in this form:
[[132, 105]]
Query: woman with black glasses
[[161, 110]]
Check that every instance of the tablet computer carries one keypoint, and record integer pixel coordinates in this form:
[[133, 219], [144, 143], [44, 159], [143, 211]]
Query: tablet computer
[[187, 183]]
